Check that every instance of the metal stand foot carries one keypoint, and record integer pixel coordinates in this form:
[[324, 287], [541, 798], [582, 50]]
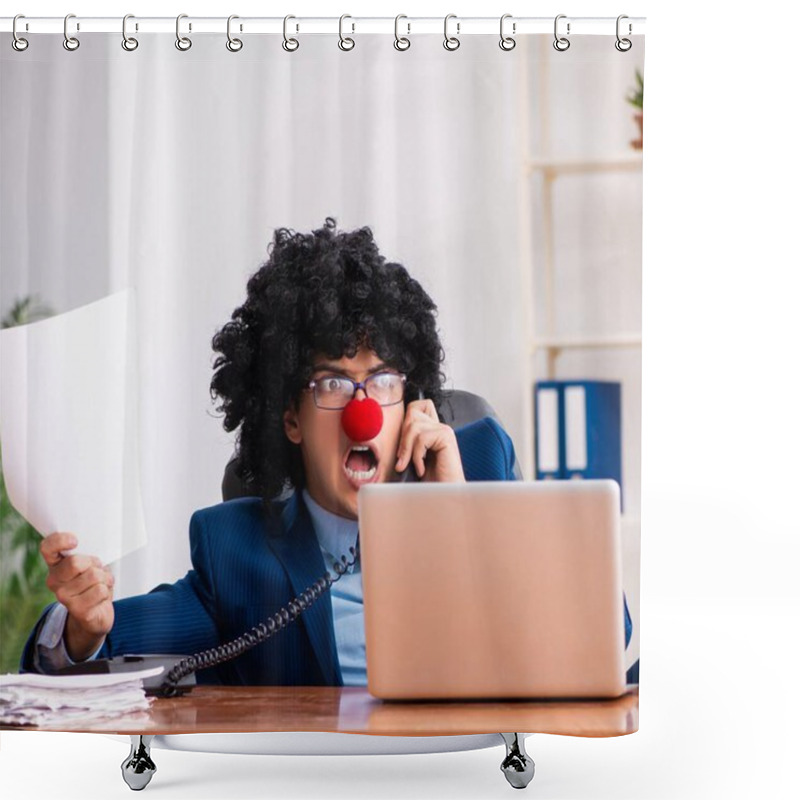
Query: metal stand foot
[[138, 768], [517, 766]]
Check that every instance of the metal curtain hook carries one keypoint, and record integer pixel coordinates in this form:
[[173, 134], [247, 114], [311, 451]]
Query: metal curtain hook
[[451, 42], [623, 45], [345, 42], [17, 42], [70, 42], [128, 42], [561, 43], [234, 45], [401, 42], [507, 42], [182, 42], [289, 45]]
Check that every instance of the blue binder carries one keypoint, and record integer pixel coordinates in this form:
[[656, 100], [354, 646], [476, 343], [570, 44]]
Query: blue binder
[[578, 429]]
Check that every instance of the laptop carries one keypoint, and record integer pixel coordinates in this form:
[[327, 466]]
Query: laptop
[[490, 590]]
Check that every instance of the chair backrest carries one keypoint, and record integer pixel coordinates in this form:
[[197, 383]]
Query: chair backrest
[[458, 408]]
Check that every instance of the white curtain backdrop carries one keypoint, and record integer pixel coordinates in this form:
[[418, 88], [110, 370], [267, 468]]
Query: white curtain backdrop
[[167, 172]]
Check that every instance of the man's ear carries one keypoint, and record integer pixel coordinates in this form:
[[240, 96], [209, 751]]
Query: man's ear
[[291, 425]]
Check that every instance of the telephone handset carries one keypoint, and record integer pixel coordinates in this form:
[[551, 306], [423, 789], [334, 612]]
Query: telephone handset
[[180, 670], [409, 474]]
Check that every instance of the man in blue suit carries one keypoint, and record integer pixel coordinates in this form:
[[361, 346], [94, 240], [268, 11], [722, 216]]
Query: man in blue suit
[[331, 373]]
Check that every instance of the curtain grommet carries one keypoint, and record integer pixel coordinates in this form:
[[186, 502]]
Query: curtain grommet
[[451, 43], [18, 42], [129, 43], [507, 43], [233, 44], [346, 43], [623, 44], [70, 43], [289, 44], [183, 43], [401, 43], [561, 43]]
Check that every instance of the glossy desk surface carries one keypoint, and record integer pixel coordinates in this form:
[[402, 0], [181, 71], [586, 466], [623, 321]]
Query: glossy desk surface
[[228, 709]]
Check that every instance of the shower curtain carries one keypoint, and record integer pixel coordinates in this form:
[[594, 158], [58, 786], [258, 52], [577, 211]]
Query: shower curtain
[[142, 187]]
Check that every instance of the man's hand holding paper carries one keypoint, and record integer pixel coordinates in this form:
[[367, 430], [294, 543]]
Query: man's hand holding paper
[[85, 587]]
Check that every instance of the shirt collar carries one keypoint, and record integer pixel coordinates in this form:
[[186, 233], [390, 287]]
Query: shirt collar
[[335, 534]]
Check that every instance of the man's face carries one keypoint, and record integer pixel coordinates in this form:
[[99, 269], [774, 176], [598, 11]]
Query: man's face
[[332, 467]]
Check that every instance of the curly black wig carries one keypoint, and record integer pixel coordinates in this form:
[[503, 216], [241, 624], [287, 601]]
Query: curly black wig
[[322, 293]]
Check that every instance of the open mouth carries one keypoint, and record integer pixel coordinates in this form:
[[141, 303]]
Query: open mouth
[[361, 464]]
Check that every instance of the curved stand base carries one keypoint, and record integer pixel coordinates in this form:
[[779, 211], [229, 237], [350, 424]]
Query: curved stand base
[[318, 743], [517, 766], [138, 768]]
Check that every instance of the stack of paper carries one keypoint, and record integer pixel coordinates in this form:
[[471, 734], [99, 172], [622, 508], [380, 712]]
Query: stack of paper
[[31, 699]]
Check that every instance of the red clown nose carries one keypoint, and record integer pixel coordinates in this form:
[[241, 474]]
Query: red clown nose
[[362, 420]]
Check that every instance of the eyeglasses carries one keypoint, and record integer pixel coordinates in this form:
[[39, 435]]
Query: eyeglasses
[[335, 391]]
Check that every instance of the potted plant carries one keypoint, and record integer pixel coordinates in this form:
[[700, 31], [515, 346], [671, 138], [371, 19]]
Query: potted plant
[[636, 99], [23, 592]]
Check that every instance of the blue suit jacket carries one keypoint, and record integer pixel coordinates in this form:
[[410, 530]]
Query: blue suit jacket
[[246, 567]]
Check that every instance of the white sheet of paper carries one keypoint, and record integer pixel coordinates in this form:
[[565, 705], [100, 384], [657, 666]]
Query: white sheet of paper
[[69, 427], [33, 680]]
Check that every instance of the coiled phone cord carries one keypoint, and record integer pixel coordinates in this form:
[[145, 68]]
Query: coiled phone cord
[[258, 634]]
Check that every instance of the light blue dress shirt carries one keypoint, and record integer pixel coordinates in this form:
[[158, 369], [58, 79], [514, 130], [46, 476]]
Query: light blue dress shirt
[[336, 535]]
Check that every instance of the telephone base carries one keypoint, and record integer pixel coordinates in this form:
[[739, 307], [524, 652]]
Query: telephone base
[[133, 663]]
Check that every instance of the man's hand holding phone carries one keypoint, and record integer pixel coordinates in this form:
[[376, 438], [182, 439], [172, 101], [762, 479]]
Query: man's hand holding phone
[[85, 587], [428, 445]]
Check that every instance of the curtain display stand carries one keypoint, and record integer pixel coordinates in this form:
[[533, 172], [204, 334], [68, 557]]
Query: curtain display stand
[[517, 766], [621, 714]]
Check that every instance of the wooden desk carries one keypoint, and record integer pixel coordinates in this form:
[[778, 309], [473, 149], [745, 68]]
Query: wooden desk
[[353, 710]]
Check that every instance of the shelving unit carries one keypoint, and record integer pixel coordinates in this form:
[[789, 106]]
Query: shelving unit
[[552, 169], [538, 176]]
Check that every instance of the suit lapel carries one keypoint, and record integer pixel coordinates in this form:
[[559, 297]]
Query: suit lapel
[[297, 548]]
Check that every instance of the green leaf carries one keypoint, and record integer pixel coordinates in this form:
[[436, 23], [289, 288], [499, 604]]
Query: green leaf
[[636, 96]]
